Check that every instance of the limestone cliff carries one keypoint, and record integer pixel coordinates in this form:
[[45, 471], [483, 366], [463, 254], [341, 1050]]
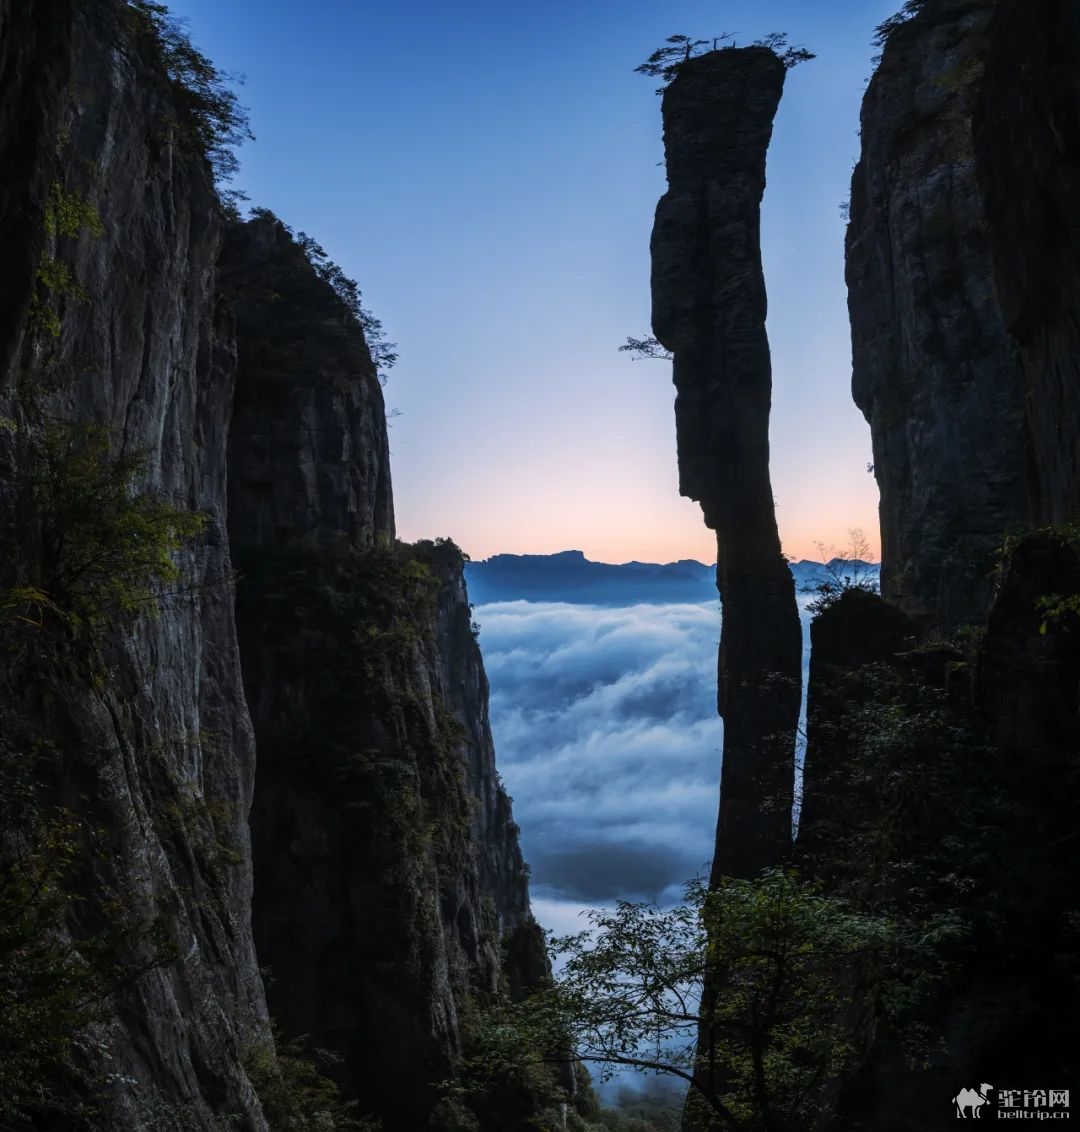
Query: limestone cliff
[[393, 877], [941, 773], [709, 306], [391, 899], [121, 695], [961, 265], [1026, 127]]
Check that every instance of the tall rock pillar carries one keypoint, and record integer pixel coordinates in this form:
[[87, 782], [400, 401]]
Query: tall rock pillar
[[709, 305]]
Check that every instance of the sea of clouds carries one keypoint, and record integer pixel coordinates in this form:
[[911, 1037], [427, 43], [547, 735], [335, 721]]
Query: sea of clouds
[[607, 738]]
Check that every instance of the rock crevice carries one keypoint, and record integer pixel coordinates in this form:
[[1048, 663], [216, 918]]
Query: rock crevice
[[148, 346]]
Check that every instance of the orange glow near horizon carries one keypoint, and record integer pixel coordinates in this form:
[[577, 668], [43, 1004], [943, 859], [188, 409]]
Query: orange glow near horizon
[[646, 529], [627, 548], [559, 456]]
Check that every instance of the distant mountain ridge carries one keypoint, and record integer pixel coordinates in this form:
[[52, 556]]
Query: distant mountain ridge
[[571, 577]]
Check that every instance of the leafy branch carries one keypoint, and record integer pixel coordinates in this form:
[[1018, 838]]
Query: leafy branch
[[741, 992], [645, 348], [383, 353], [209, 113]]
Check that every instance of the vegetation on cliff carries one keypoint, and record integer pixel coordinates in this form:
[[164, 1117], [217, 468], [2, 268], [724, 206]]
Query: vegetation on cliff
[[62, 958], [100, 549], [210, 118], [665, 62], [94, 553]]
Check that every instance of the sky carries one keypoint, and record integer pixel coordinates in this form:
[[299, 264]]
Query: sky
[[488, 174]]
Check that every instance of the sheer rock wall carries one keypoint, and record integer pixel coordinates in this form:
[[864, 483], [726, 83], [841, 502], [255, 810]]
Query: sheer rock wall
[[394, 879], [148, 739], [962, 274]]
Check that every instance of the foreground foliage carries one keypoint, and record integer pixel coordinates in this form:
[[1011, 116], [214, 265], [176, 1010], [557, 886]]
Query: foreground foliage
[[755, 970], [295, 1093]]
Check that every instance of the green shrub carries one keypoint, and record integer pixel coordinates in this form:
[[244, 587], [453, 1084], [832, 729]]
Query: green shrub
[[68, 214], [295, 1094], [54, 281], [103, 550]]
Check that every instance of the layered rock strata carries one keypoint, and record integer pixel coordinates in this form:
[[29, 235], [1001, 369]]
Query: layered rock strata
[[391, 895]]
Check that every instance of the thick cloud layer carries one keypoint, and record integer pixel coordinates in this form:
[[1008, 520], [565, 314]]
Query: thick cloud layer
[[607, 736], [606, 730]]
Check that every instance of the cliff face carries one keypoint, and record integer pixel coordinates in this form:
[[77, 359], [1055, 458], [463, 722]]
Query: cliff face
[[394, 876], [1026, 127], [391, 898], [308, 441], [501, 870], [944, 748], [857, 631], [961, 266], [941, 784], [125, 708], [709, 309]]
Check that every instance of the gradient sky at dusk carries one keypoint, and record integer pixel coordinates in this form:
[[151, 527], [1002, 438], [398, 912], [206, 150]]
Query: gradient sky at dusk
[[488, 174]]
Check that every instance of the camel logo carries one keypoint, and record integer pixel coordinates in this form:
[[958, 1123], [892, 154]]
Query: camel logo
[[972, 1099]]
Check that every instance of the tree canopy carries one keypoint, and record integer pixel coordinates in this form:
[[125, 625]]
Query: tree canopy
[[210, 113], [908, 12], [665, 62], [740, 992]]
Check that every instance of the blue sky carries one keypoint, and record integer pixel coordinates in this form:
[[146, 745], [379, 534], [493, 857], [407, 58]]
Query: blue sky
[[488, 174]]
